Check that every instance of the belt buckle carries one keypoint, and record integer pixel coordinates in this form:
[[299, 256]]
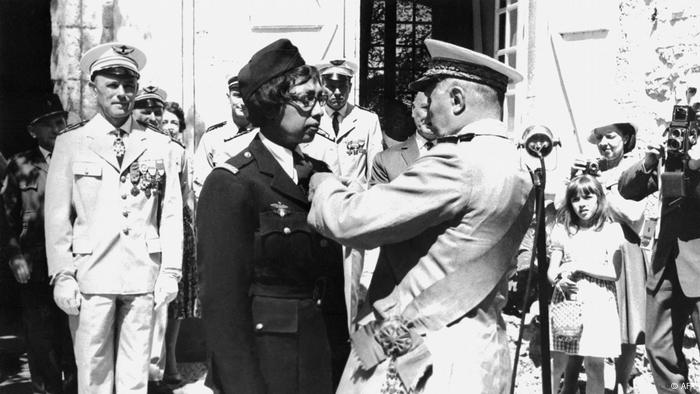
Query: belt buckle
[[394, 337]]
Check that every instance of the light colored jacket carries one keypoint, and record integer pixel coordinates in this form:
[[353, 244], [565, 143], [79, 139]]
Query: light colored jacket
[[220, 143], [449, 226], [100, 222], [351, 153]]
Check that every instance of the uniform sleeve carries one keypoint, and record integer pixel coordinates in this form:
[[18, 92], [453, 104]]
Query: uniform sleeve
[[171, 222], [202, 164], [432, 191], [375, 143], [12, 212], [379, 172], [58, 208], [635, 184], [225, 229]]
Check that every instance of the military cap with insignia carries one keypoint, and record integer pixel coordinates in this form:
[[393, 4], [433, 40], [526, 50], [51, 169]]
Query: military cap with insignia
[[273, 60], [113, 58], [337, 70], [232, 83], [150, 96], [452, 61], [46, 106]]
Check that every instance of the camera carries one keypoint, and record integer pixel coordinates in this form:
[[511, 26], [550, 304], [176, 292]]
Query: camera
[[590, 167], [681, 135]]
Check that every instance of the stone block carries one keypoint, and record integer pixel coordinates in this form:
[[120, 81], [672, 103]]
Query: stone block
[[92, 13], [69, 93], [66, 54], [67, 12], [90, 38], [88, 102]]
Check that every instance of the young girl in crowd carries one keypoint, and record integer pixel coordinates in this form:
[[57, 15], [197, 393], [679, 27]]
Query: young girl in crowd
[[585, 264]]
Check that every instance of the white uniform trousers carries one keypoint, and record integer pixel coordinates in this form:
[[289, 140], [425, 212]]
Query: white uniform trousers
[[112, 343]]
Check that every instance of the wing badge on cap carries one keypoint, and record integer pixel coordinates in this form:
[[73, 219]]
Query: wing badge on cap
[[123, 50]]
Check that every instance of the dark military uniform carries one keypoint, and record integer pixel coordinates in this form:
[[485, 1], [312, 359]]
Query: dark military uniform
[[271, 287], [46, 326]]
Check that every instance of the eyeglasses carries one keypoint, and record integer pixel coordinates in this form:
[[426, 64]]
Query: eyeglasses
[[305, 104]]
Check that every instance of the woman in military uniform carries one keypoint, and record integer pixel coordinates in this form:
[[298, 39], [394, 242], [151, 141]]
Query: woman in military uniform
[[268, 282]]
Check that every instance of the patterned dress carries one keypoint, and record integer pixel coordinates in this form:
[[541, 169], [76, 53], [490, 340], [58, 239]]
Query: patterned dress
[[186, 304]]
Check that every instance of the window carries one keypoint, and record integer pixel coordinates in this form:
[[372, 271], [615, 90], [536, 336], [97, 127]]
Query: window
[[393, 51], [510, 49]]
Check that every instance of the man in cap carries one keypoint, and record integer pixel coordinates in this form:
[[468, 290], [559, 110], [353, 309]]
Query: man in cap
[[113, 227], [49, 346], [449, 228], [349, 136], [391, 162], [149, 105], [222, 140]]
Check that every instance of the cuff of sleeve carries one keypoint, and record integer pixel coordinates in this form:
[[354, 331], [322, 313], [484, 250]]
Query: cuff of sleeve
[[644, 169], [66, 272], [172, 272]]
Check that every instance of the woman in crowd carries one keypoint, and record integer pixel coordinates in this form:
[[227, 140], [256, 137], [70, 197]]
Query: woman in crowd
[[585, 264], [186, 305], [263, 271]]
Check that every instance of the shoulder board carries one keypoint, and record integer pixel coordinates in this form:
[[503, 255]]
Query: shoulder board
[[324, 134], [244, 132], [154, 128], [455, 138], [177, 142], [241, 160], [364, 108], [74, 126], [215, 126], [228, 167]]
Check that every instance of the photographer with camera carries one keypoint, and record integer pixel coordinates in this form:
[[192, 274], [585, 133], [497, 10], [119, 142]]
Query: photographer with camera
[[616, 142], [672, 292]]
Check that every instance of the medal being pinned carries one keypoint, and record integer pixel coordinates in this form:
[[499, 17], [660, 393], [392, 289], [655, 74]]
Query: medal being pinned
[[280, 209]]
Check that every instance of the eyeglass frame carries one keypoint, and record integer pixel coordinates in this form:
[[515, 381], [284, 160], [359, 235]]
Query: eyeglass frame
[[318, 99]]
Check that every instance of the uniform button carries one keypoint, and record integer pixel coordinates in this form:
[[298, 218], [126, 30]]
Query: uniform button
[[123, 179], [287, 230], [126, 231], [246, 155], [323, 243], [124, 196], [258, 327], [125, 213]]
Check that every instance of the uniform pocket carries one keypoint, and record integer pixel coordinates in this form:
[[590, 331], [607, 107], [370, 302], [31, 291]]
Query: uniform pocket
[[87, 169], [275, 315]]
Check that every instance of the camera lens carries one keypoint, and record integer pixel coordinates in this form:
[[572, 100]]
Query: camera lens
[[673, 144]]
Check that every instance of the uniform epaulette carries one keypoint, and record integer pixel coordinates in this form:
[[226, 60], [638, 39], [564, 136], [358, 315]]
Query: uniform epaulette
[[240, 133], [215, 126], [325, 135], [177, 142], [228, 167], [73, 126], [241, 160], [154, 128], [365, 108]]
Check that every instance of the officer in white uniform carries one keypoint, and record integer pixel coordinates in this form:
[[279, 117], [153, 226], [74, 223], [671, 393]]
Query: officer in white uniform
[[113, 221], [223, 140]]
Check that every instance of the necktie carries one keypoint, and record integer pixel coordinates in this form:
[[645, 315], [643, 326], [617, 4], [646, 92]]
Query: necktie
[[429, 145], [336, 122], [118, 146], [304, 169]]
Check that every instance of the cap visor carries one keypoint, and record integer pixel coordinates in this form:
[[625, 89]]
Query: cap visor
[[421, 83]]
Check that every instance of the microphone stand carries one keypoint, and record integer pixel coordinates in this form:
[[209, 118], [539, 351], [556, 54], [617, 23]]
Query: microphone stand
[[540, 179]]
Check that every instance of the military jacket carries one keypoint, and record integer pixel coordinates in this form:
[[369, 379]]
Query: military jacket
[[115, 226], [23, 197], [267, 279], [218, 144], [351, 153]]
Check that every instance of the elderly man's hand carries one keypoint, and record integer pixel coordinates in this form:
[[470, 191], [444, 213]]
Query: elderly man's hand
[[20, 269], [317, 179], [66, 294]]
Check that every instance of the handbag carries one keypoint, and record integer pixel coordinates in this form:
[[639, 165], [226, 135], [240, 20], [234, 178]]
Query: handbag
[[566, 318]]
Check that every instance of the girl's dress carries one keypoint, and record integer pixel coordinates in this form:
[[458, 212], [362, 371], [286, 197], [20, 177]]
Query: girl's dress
[[592, 253]]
